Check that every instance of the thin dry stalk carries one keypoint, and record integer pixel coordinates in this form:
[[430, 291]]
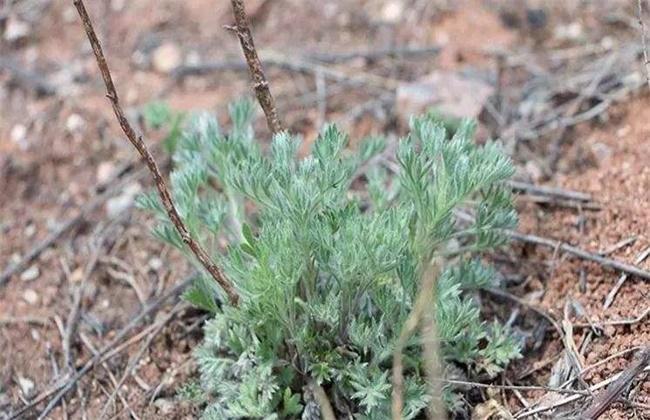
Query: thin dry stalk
[[60, 389], [137, 142], [621, 280], [320, 396], [606, 397], [260, 84], [644, 42], [419, 313]]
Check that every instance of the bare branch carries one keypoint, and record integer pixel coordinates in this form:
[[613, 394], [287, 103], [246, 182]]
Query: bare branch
[[644, 41], [605, 398], [138, 143], [261, 86], [586, 255]]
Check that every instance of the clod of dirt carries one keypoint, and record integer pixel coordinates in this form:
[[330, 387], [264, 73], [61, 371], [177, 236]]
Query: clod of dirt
[[165, 407]]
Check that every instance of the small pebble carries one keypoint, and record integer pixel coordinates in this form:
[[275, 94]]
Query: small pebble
[[30, 274], [392, 11], [75, 123], [571, 32], [155, 263], [166, 58], [77, 275], [105, 171], [30, 296], [35, 335], [18, 134], [26, 386], [30, 230], [16, 29]]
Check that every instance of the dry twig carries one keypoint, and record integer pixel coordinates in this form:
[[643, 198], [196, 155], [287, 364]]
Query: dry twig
[[606, 397], [644, 41], [75, 313], [612, 293], [563, 401], [66, 226], [137, 142], [604, 261], [548, 191], [260, 84], [27, 78], [134, 360], [106, 352], [417, 317]]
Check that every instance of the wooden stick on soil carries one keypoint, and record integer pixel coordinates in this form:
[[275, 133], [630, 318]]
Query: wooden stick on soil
[[606, 262], [605, 398], [137, 142], [260, 84]]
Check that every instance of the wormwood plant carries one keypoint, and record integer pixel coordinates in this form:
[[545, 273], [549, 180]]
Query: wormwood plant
[[326, 252]]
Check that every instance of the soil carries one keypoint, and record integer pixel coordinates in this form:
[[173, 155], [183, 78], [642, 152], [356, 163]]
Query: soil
[[55, 150]]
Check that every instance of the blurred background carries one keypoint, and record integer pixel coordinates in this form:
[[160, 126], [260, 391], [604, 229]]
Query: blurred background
[[561, 83]]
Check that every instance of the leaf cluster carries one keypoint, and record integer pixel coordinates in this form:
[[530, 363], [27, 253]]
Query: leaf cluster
[[326, 251]]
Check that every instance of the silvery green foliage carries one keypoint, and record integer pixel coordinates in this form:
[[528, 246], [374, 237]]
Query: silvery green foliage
[[328, 268]]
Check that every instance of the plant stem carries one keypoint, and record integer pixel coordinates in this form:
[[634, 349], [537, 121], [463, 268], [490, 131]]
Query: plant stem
[[137, 142]]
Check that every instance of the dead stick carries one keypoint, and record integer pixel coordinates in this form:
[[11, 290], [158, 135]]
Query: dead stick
[[644, 42], [66, 226], [260, 84], [548, 191], [426, 295], [62, 388], [607, 262], [612, 293], [606, 397], [138, 143]]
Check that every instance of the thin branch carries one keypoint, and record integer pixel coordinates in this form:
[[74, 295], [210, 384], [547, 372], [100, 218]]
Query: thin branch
[[371, 55], [106, 352], [261, 86], [607, 262], [138, 143], [548, 191], [566, 400], [28, 78], [619, 283], [101, 193], [644, 42], [605, 398]]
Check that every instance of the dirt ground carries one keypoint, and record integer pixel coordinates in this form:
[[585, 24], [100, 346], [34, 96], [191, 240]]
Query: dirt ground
[[61, 151]]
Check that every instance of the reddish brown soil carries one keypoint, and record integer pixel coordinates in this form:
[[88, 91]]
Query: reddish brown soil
[[54, 170], [620, 182]]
